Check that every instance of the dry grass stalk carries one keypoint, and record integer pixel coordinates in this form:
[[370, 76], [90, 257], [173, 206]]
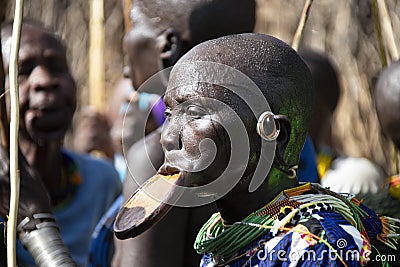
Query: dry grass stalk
[[387, 30], [379, 33], [300, 28]]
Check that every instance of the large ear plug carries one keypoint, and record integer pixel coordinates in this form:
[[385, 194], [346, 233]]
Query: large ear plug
[[267, 127]]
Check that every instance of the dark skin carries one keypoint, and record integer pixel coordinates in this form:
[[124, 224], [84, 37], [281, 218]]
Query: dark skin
[[239, 202], [202, 110], [139, 46], [149, 47], [121, 96], [191, 119], [387, 100], [169, 242], [200, 122], [152, 45], [33, 195], [47, 103], [327, 94], [93, 135], [155, 44], [47, 94]]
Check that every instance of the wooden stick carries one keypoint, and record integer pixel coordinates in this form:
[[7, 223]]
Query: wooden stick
[[14, 129], [300, 28], [387, 30], [96, 55]]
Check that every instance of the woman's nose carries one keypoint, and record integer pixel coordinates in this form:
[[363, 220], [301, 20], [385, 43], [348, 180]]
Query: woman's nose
[[170, 136]]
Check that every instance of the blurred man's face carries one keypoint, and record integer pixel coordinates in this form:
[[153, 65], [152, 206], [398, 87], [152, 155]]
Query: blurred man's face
[[47, 90]]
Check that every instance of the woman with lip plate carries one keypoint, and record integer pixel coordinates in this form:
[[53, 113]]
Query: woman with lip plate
[[238, 108], [161, 33]]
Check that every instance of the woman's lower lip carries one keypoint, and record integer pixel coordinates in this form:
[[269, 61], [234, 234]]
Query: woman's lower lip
[[167, 169]]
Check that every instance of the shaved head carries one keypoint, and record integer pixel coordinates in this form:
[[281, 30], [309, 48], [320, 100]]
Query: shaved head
[[327, 93], [6, 33], [276, 69], [387, 100], [196, 20], [326, 83]]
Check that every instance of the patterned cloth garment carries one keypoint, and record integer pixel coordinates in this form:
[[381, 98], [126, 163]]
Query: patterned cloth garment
[[307, 226]]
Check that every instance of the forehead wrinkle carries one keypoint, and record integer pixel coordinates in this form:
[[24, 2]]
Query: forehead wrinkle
[[180, 94], [197, 90]]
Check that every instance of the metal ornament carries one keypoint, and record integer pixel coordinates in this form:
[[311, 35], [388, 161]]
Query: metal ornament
[[267, 128]]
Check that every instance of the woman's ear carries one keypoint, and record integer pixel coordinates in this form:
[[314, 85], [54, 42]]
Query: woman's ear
[[283, 138], [170, 47]]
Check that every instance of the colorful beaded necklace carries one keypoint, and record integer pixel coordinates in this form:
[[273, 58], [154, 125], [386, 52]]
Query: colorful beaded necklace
[[224, 240], [281, 214]]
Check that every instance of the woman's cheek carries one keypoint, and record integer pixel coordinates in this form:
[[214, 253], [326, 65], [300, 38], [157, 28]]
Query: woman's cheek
[[197, 130]]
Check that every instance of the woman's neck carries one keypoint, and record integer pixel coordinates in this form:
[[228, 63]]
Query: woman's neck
[[239, 202]]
